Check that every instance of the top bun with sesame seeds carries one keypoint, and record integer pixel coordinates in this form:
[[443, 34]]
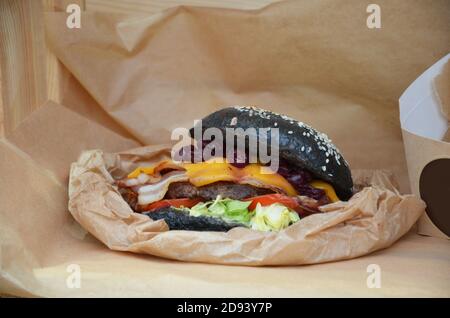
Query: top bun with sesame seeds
[[300, 145]]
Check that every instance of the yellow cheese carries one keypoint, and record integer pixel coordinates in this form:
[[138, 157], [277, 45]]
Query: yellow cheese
[[253, 171], [136, 172], [154, 169], [204, 173], [328, 188]]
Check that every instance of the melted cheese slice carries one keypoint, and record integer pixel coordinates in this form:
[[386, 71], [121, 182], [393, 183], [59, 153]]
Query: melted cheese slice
[[256, 172], [204, 173], [154, 169], [328, 188], [136, 172]]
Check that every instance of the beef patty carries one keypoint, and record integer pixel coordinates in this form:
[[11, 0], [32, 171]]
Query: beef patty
[[210, 192], [179, 190]]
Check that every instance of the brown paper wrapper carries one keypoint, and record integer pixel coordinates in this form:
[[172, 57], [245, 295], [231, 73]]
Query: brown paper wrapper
[[372, 219]]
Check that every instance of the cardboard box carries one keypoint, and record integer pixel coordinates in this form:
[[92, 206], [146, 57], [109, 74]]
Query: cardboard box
[[424, 116]]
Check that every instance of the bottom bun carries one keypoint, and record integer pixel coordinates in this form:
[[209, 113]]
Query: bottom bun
[[177, 219]]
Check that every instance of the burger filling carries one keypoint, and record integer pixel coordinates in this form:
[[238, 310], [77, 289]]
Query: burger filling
[[233, 193]]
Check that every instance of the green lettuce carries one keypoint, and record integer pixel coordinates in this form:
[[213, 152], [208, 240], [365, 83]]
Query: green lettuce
[[227, 209], [274, 217]]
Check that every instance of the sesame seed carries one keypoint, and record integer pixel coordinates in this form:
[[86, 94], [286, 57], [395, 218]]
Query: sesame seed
[[324, 143], [303, 148], [290, 132], [324, 168], [327, 161]]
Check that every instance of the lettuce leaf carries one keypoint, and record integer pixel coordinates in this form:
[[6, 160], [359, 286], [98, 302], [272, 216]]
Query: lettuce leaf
[[227, 209], [274, 217]]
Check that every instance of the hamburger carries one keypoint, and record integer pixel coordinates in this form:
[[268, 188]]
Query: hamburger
[[217, 194]]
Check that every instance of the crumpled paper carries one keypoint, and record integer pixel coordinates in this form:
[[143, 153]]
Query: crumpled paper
[[372, 219]]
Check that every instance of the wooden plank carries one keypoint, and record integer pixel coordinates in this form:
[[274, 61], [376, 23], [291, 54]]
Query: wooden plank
[[2, 126], [152, 6], [24, 84], [29, 71], [56, 72]]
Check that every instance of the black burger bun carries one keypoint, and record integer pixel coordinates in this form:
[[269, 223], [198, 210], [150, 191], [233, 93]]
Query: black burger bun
[[178, 219], [299, 144]]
